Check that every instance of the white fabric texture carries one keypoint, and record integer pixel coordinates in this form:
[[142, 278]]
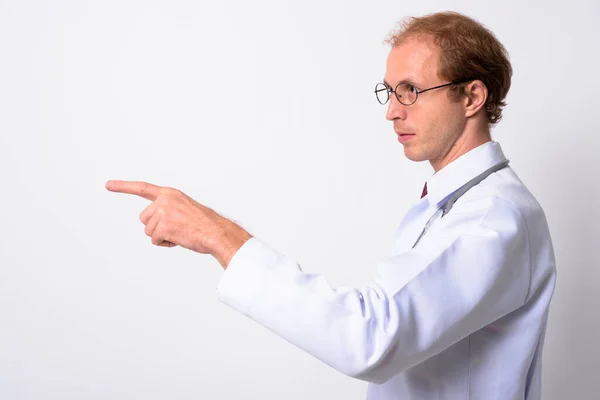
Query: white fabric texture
[[460, 316]]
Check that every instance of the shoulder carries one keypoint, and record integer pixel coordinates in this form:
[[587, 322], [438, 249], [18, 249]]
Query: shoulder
[[503, 193]]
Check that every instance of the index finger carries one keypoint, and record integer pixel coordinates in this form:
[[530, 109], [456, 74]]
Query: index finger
[[143, 189]]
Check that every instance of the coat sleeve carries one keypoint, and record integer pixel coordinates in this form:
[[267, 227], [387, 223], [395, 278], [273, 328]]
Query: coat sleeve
[[419, 303]]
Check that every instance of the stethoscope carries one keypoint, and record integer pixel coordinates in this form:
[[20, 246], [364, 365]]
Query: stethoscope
[[447, 206]]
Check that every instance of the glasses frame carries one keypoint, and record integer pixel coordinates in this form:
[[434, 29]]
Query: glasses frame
[[389, 89]]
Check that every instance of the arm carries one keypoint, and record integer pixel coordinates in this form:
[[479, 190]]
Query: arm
[[419, 303]]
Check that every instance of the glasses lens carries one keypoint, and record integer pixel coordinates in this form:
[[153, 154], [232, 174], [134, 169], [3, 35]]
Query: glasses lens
[[382, 93], [407, 94]]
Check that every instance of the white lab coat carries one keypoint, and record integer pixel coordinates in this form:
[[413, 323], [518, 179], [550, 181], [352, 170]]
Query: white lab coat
[[460, 316]]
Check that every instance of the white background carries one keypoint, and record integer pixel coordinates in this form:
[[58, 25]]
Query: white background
[[265, 111]]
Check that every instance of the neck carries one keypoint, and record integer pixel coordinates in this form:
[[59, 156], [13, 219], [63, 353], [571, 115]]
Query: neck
[[467, 141]]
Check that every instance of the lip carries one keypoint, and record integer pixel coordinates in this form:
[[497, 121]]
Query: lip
[[405, 137]]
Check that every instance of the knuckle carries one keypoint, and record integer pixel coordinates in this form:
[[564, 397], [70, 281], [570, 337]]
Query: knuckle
[[164, 198], [168, 191]]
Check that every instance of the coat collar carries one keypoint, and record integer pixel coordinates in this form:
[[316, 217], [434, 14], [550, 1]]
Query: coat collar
[[460, 171]]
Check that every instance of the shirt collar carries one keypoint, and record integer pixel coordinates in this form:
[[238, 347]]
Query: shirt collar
[[460, 171]]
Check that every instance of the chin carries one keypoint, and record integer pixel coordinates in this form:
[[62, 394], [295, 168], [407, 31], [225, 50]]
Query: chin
[[414, 156]]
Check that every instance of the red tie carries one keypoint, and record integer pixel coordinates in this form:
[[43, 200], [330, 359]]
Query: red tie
[[424, 193]]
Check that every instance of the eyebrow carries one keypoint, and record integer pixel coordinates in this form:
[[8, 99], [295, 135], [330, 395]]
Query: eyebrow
[[409, 80]]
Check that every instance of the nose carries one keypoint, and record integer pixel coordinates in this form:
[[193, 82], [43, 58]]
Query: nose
[[395, 110]]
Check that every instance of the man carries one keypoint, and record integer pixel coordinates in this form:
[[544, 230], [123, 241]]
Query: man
[[459, 309]]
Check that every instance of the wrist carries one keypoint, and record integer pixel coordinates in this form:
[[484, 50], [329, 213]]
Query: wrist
[[230, 242]]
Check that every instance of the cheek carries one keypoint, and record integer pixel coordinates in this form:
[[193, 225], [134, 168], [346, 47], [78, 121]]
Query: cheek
[[456, 119], [445, 122], [420, 119], [437, 121], [429, 123]]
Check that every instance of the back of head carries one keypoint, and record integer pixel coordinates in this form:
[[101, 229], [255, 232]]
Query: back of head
[[468, 51]]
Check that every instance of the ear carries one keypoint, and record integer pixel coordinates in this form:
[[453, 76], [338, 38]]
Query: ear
[[476, 95]]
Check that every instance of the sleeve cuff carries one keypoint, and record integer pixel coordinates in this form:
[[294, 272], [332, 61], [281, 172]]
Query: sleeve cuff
[[247, 274]]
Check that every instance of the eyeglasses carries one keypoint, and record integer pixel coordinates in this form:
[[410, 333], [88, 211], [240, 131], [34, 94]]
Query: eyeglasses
[[405, 92]]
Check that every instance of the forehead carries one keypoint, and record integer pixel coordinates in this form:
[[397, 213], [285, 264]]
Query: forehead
[[414, 60]]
